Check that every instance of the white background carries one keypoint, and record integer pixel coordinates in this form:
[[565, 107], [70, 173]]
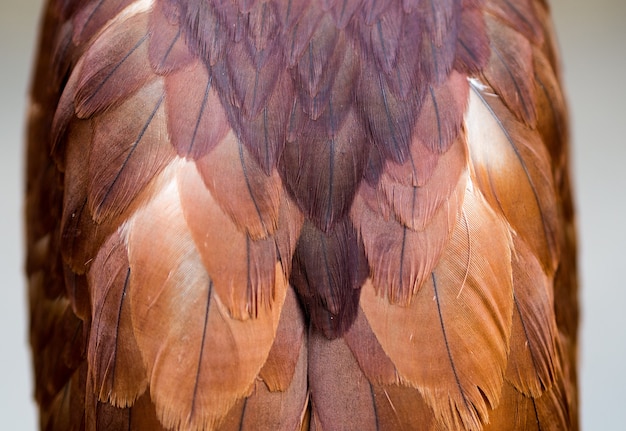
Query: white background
[[592, 35]]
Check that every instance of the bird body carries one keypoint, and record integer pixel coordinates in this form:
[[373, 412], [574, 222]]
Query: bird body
[[303, 214]]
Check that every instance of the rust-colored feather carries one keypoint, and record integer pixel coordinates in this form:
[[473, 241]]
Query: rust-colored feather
[[196, 120], [512, 166], [114, 66], [465, 306], [244, 192], [533, 364], [115, 363], [180, 318], [130, 146], [300, 215]]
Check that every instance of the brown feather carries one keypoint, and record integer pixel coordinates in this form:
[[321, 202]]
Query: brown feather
[[390, 119], [247, 84], [472, 50], [244, 192], [517, 411], [115, 363], [340, 394], [80, 235], [196, 120], [368, 352], [385, 34], [399, 257], [465, 306], [510, 70], [278, 371], [520, 15], [415, 206], [64, 114], [187, 158], [316, 63], [115, 66], [440, 117], [323, 172], [533, 365], [265, 409], [130, 146], [265, 135], [552, 125], [241, 269], [440, 20], [512, 165], [93, 16], [328, 271], [196, 373], [167, 49], [401, 408]]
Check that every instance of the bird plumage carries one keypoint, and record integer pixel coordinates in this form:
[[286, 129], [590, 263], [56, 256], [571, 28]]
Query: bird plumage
[[303, 214]]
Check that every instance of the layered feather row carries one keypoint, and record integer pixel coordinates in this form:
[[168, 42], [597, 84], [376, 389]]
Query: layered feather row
[[280, 215]]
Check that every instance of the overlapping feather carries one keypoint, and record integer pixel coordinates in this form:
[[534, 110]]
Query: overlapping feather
[[181, 333], [451, 341], [208, 152]]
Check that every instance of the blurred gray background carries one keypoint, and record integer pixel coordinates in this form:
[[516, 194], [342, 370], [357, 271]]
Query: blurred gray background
[[592, 36]]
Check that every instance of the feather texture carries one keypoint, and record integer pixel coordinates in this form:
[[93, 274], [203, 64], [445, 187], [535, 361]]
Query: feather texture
[[467, 290], [501, 145], [116, 367], [304, 214], [129, 148], [224, 368]]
